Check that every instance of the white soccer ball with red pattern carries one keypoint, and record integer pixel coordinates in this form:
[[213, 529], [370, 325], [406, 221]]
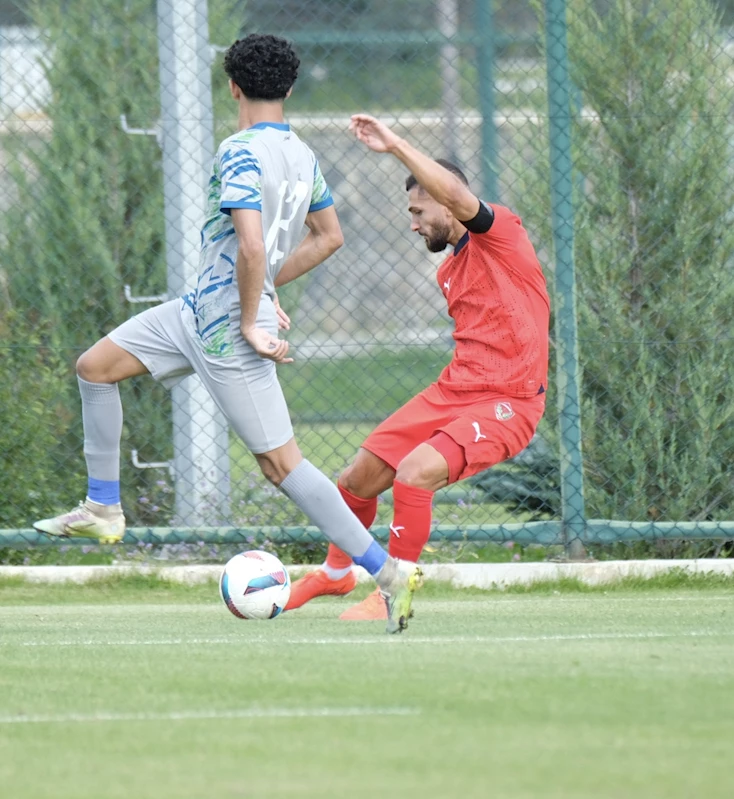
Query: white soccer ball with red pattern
[[255, 585]]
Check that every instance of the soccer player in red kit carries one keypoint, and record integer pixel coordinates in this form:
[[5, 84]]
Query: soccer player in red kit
[[486, 404]]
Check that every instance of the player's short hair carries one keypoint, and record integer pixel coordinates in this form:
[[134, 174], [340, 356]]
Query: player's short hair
[[412, 181], [263, 66]]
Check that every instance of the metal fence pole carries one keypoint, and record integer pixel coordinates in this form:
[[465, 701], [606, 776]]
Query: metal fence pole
[[200, 434], [571, 465], [447, 21], [485, 58]]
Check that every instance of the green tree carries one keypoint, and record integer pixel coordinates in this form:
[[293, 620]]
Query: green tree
[[88, 219], [654, 247], [34, 388]]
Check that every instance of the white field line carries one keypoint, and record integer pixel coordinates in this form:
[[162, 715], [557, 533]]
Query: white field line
[[380, 640], [494, 602], [199, 715]]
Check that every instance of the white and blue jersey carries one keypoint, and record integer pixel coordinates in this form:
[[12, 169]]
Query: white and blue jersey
[[269, 169]]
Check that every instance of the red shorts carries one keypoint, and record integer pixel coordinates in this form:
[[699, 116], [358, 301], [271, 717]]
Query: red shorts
[[472, 430]]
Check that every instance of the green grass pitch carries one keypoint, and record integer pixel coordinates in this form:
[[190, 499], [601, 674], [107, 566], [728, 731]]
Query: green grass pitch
[[128, 690]]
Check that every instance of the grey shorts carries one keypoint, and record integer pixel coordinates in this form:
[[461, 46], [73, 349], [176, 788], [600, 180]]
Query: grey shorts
[[244, 385]]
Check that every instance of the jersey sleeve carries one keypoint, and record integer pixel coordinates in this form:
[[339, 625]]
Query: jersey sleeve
[[321, 195], [240, 175], [508, 243], [505, 231]]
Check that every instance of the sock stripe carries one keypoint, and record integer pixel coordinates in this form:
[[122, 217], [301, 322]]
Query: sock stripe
[[105, 492]]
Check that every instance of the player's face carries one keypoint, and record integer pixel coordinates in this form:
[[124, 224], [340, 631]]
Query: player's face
[[429, 219]]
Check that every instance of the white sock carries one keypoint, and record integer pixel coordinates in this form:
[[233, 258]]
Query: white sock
[[335, 574], [325, 508], [105, 511]]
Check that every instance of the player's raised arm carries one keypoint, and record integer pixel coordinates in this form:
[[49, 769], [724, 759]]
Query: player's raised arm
[[323, 239], [441, 184]]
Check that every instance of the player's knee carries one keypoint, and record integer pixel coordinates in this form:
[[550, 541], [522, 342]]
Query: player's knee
[[423, 468], [88, 369], [411, 471]]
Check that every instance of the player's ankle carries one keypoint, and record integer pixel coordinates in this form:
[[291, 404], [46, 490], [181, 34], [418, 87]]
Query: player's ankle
[[102, 510], [335, 574]]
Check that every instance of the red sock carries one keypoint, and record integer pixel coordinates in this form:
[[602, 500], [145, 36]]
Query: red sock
[[411, 526], [365, 510]]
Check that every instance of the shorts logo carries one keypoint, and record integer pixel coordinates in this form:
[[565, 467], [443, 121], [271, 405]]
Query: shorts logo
[[503, 411], [480, 434]]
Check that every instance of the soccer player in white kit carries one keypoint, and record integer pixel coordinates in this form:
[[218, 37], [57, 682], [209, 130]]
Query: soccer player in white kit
[[265, 185]]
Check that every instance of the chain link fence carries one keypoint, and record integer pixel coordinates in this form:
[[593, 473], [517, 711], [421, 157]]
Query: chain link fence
[[606, 126]]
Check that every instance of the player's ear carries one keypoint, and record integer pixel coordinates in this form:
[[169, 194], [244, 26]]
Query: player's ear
[[288, 93], [234, 89]]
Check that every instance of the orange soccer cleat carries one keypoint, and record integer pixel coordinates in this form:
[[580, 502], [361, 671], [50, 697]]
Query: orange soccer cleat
[[317, 583], [373, 608]]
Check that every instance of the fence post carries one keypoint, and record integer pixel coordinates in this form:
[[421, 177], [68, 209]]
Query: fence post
[[447, 22], [200, 435], [485, 59], [567, 377]]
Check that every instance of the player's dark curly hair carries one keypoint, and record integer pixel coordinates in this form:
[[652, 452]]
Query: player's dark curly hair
[[263, 66], [412, 181]]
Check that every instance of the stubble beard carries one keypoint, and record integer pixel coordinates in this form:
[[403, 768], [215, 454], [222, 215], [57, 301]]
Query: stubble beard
[[438, 239]]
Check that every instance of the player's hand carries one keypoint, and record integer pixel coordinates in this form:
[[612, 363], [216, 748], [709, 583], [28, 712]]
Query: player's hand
[[373, 133], [284, 321], [267, 346]]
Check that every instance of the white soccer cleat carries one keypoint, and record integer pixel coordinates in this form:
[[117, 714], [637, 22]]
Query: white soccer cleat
[[398, 595], [106, 523]]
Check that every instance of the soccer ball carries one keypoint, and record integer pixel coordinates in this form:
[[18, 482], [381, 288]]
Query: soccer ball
[[255, 585]]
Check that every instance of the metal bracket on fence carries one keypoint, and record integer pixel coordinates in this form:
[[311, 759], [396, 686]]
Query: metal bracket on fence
[[154, 131], [143, 298], [138, 464]]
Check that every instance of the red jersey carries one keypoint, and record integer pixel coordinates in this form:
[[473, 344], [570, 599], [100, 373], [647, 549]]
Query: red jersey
[[497, 297]]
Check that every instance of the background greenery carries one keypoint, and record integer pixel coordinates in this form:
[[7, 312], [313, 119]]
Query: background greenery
[[653, 244], [653, 257]]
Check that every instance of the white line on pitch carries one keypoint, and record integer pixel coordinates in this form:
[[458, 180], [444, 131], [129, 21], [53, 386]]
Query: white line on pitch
[[492, 598], [199, 715], [381, 640], [494, 601]]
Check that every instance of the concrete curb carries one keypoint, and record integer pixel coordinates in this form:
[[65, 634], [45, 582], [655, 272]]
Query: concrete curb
[[460, 575]]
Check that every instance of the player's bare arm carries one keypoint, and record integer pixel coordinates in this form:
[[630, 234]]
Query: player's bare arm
[[441, 184], [250, 269], [323, 239]]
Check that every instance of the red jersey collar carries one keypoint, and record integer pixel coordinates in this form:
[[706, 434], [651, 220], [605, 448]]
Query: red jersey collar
[[461, 243]]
